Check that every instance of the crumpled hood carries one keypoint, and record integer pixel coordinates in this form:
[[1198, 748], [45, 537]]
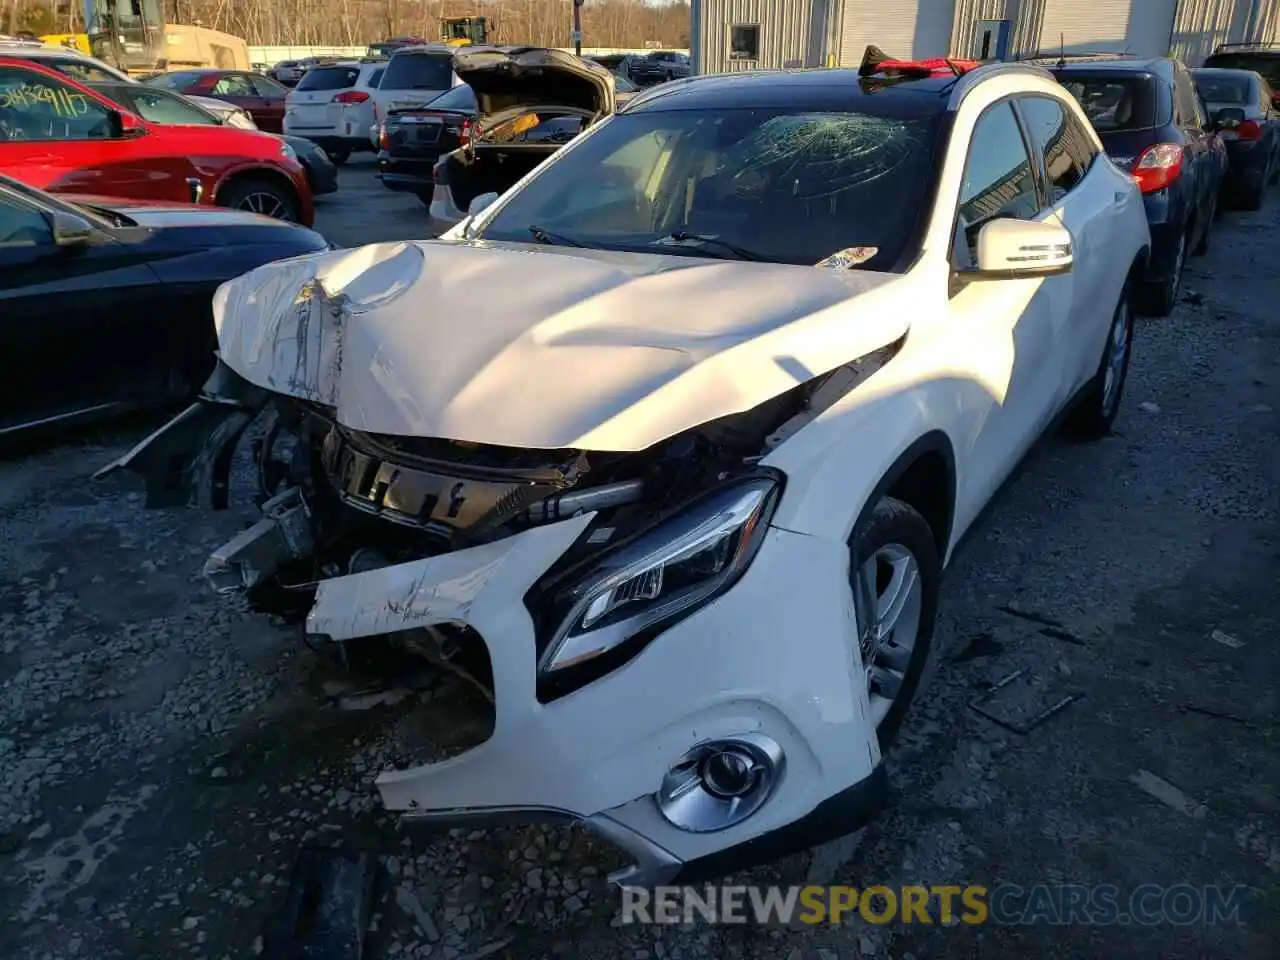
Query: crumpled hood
[[539, 347]]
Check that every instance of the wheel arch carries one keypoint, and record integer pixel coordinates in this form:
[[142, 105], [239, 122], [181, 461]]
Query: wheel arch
[[264, 173], [923, 477]]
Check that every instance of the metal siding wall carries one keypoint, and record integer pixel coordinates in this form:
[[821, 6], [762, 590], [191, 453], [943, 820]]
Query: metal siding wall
[[1200, 25], [968, 13], [784, 33], [1101, 25], [901, 28]]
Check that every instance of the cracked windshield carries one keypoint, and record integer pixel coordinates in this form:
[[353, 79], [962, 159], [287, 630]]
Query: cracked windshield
[[760, 184]]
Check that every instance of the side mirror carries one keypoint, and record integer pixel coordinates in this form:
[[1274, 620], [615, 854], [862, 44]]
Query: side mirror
[[127, 125], [70, 231], [1010, 249], [1228, 118], [478, 204]]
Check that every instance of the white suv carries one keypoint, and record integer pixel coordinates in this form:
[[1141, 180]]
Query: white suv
[[332, 105], [414, 76], [666, 450]]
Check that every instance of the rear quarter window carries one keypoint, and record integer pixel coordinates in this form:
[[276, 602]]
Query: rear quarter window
[[1115, 103], [329, 78], [418, 71]]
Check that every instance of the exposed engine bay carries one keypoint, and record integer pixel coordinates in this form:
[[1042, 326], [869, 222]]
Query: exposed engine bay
[[337, 501]]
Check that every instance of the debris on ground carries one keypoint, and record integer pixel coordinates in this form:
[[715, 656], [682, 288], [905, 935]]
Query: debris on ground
[[1168, 794]]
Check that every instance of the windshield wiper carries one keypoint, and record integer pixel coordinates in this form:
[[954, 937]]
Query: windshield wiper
[[555, 239], [732, 250]]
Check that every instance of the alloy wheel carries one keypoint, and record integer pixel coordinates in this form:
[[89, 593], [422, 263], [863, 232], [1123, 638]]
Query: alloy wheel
[[1117, 355], [267, 204], [888, 600]]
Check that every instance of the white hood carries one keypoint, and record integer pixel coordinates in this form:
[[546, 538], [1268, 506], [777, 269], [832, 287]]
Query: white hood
[[529, 346]]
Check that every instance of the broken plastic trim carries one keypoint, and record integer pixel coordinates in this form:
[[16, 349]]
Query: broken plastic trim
[[187, 462]]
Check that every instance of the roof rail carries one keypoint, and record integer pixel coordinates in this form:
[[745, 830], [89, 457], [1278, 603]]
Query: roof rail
[[1065, 58], [25, 41], [1248, 45]]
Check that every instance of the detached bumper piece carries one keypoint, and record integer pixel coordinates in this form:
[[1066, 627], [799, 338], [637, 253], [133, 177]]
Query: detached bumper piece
[[187, 462], [280, 537]]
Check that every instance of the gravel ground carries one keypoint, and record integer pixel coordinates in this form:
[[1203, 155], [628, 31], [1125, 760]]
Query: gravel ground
[[163, 753]]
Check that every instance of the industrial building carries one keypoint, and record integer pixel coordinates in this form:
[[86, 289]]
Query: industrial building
[[729, 35]]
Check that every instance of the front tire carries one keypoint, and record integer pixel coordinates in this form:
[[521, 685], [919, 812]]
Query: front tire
[[339, 155], [1097, 407], [260, 196], [895, 576]]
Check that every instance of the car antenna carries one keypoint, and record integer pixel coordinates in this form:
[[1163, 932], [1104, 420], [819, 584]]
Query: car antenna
[[954, 68], [1062, 50]]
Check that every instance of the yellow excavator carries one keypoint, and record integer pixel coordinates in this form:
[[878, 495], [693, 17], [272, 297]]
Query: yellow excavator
[[461, 31], [132, 35]]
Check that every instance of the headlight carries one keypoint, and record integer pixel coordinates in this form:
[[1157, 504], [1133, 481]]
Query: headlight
[[662, 575], [286, 151]]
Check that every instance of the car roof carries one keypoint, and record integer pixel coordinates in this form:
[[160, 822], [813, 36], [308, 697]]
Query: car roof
[[816, 88], [1240, 72]]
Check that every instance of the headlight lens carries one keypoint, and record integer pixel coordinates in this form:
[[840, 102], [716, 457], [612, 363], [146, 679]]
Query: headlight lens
[[286, 151], [662, 575]]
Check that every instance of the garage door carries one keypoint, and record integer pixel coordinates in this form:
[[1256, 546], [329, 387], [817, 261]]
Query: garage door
[[901, 28], [1087, 26]]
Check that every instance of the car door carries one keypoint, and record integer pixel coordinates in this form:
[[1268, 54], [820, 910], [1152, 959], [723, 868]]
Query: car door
[[76, 318], [238, 88], [272, 96], [56, 134], [1005, 327], [1201, 158], [1087, 206]]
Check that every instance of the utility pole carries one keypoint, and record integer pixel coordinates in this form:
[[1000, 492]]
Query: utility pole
[[577, 28]]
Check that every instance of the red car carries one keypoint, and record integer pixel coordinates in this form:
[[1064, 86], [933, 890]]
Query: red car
[[57, 134], [261, 97]]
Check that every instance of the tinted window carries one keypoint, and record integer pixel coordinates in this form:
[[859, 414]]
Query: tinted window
[[791, 186], [1047, 123], [267, 88], [744, 41], [418, 71], [998, 179], [375, 78], [461, 97], [174, 81], [1186, 102], [235, 85], [329, 78], [21, 225], [1113, 103], [1226, 90], [158, 106], [1268, 66], [33, 107], [82, 70]]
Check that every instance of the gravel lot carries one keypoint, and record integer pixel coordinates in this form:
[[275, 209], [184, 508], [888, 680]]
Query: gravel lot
[[164, 753]]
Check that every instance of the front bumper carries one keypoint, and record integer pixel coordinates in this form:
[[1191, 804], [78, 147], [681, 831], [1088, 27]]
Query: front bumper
[[774, 655]]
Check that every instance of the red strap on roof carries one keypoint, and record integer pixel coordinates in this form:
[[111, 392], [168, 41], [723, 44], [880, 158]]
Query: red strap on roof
[[935, 66]]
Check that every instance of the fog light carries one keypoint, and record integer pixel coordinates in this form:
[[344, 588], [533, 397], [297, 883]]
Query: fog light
[[720, 783]]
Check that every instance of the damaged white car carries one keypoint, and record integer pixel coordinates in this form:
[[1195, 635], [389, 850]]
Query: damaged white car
[[667, 448]]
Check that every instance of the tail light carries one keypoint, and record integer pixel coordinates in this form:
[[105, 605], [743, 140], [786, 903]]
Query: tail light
[[1249, 130], [464, 134], [351, 96], [384, 138], [1157, 167]]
